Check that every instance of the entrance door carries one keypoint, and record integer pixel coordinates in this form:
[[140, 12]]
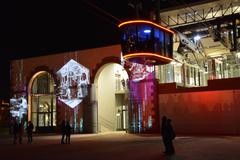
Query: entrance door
[[122, 118], [43, 102], [44, 112]]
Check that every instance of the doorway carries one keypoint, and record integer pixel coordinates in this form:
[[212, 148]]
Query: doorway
[[112, 98], [43, 103]]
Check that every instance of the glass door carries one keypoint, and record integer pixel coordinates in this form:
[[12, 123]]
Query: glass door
[[43, 112]]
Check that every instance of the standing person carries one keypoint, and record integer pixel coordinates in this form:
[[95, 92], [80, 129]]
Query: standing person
[[68, 132], [163, 133], [20, 131], [15, 131], [30, 131], [63, 131], [170, 135]]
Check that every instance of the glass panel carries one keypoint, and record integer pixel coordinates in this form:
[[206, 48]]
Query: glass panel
[[51, 84], [42, 83], [158, 41], [34, 103], [48, 119], [54, 119], [166, 44], [34, 86], [45, 103], [129, 38], [54, 103], [145, 38], [41, 120], [178, 73], [34, 120], [169, 73]]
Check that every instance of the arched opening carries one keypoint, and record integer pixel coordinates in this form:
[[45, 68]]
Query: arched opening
[[112, 98], [42, 102]]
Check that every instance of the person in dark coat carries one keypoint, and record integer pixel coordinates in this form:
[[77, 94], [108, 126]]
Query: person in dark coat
[[30, 131], [68, 132], [170, 135], [63, 131], [20, 131], [163, 132]]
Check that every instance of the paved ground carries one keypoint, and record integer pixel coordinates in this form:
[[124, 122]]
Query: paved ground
[[119, 146]]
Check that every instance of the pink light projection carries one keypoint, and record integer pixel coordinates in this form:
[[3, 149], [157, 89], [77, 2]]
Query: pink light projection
[[139, 72]]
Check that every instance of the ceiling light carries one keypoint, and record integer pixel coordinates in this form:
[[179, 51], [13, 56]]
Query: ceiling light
[[196, 38], [147, 31]]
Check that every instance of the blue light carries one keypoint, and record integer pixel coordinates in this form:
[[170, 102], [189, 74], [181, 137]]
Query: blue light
[[147, 31]]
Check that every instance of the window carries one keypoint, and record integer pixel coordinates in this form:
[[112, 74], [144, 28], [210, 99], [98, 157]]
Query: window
[[43, 102]]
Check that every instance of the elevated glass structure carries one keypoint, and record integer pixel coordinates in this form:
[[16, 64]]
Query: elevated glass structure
[[146, 42]]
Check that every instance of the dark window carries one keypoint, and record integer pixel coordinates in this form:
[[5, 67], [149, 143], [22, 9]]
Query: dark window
[[129, 37], [145, 38]]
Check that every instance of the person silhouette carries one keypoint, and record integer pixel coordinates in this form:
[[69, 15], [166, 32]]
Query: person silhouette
[[163, 133], [20, 131], [30, 131], [68, 132], [170, 135], [63, 131]]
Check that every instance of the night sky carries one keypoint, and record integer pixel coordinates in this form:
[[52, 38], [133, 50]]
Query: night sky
[[42, 27]]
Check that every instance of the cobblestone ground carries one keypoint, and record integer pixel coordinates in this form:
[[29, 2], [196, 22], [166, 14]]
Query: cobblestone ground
[[119, 145]]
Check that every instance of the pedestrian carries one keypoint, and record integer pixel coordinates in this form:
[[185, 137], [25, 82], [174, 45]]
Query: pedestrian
[[163, 133], [30, 127], [63, 131], [20, 131], [170, 135], [15, 131], [68, 132]]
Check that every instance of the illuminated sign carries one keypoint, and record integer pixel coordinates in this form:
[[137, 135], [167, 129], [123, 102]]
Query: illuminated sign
[[74, 80]]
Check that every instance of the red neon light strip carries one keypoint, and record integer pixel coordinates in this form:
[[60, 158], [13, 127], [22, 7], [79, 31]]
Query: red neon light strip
[[146, 54], [144, 21]]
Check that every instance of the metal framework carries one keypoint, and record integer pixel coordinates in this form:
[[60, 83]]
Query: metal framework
[[192, 16]]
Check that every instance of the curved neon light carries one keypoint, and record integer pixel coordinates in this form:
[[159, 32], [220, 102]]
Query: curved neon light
[[131, 55], [144, 21]]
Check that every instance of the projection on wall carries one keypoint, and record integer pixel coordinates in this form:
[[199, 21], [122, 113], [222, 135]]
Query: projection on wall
[[138, 72], [18, 107], [74, 80]]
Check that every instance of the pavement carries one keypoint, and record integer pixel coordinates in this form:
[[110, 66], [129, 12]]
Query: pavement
[[119, 146]]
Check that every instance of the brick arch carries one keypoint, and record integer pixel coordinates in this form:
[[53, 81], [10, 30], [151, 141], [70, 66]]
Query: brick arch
[[46, 69], [104, 61]]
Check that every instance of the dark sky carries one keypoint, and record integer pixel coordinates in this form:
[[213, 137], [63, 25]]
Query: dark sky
[[40, 27]]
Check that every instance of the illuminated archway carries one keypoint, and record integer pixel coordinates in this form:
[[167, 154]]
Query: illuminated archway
[[112, 97], [42, 102]]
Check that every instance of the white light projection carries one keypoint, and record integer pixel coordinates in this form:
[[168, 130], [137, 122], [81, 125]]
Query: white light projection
[[18, 107], [74, 80]]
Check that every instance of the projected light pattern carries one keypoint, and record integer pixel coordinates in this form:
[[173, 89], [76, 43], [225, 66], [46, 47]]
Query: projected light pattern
[[142, 111], [18, 107], [137, 71], [74, 80]]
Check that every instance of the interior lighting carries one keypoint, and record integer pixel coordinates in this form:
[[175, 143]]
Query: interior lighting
[[196, 38], [147, 31], [238, 55]]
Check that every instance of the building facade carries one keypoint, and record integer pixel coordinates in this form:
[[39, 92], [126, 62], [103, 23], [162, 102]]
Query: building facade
[[97, 92]]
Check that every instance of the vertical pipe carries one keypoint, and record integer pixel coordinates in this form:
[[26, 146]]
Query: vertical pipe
[[234, 35]]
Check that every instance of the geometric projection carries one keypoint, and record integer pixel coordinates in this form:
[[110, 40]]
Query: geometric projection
[[74, 80]]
